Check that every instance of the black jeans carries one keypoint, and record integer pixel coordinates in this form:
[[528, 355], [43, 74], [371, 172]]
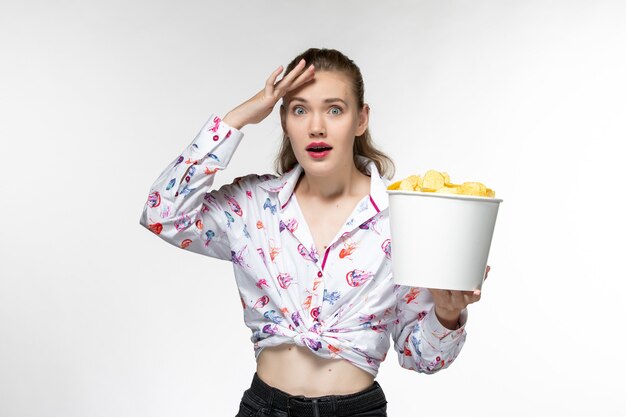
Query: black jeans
[[263, 400]]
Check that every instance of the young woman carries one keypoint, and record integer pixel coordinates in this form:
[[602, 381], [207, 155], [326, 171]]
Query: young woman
[[310, 248]]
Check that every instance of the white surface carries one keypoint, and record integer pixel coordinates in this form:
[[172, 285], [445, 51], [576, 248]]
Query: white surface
[[441, 241], [100, 318]]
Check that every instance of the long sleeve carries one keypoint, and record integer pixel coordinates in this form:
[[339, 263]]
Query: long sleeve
[[181, 207], [421, 342]]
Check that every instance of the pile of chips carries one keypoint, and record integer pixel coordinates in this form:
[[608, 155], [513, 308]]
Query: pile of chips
[[439, 182]]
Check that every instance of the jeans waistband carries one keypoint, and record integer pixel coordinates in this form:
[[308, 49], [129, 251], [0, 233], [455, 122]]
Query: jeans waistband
[[299, 405]]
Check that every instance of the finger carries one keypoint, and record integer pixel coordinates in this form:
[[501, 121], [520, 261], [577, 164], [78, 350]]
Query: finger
[[282, 86], [458, 299], [472, 296], [440, 296], [461, 299], [269, 84], [487, 271], [306, 76]]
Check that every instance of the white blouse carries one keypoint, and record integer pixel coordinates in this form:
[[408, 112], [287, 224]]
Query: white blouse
[[339, 303]]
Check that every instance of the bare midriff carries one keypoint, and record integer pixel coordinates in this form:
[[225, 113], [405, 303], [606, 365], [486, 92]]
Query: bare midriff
[[296, 370]]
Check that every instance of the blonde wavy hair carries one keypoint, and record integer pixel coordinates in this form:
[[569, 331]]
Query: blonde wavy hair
[[333, 60]]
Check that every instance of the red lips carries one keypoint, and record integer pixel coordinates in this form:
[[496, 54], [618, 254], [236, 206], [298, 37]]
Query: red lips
[[318, 146], [318, 150]]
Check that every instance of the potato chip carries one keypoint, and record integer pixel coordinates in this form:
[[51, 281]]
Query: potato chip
[[448, 190], [411, 183], [406, 185], [439, 182], [473, 188], [433, 180], [416, 180], [394, 186]]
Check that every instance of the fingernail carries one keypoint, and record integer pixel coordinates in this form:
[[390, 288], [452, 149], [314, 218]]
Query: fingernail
[[476, 292]]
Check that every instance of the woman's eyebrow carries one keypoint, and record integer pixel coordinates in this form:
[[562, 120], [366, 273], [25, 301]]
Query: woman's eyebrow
[[328, 100], [332, 100]]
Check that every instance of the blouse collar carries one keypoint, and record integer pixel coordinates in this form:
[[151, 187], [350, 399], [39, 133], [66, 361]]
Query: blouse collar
[[286, 184]]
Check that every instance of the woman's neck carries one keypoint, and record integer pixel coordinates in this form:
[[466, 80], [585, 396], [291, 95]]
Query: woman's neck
[[329, 188]]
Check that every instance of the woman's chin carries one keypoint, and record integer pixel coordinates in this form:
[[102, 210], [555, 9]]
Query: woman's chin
[[323, 167], [318, 168]]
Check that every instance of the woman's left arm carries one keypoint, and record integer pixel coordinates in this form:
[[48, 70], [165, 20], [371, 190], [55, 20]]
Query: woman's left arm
[[429, 331]]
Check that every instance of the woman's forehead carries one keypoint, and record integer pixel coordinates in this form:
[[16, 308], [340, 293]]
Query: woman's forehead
[[325, 85]]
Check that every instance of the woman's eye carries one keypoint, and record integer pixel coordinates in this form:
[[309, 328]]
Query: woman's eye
[[335, 111], [299, 111]]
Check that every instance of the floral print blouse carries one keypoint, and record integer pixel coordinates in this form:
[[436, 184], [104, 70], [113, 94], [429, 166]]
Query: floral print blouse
[[340, 302]]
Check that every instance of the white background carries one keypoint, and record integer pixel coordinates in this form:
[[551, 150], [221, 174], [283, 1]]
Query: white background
[[98, 317]]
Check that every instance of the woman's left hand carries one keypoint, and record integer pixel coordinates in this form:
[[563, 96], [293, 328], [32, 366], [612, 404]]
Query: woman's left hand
[[450, 303]]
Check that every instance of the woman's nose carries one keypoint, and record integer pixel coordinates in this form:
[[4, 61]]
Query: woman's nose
[[317, 127]]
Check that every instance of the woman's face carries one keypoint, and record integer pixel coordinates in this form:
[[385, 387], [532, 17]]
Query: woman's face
[[321, 119]]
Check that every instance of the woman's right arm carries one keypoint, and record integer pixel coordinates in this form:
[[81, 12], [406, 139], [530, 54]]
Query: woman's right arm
[[181, 207]]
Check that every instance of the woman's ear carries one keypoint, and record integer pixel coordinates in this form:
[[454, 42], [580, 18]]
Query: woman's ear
[[364, 119], [283, 122]]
